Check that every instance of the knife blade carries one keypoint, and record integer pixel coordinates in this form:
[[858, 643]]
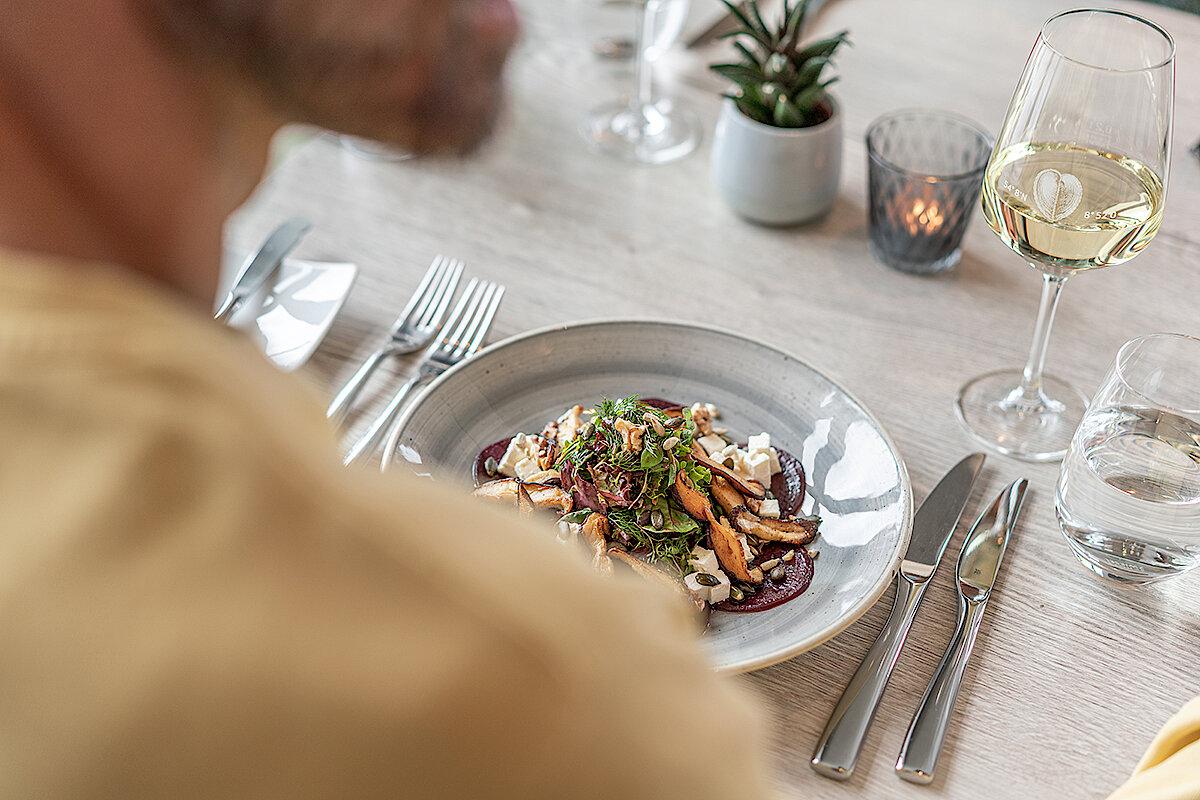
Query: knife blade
[[841, 742], [262, 266], [978, 564]]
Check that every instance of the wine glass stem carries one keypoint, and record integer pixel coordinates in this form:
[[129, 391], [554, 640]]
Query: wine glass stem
[[1029, 395], [644, 75]]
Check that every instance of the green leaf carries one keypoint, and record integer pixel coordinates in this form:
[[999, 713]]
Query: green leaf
[[787, 115], [823, 47], [754, 28], [651, 457], [750, 57], [738, 74]]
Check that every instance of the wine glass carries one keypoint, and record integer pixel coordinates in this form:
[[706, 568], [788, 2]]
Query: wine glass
[[1076, 182], [641, 128]]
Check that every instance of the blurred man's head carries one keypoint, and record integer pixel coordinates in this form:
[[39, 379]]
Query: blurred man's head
[[130, 129], [423, 74]]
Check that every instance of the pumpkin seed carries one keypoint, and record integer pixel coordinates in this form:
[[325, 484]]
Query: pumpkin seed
[[656, 518], [491, 466], [670, 443], [673, 422], [736, 594], [705, 579], [778, 574]]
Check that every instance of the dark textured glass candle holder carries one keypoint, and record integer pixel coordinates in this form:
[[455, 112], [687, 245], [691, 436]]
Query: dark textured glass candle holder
[[924, 174]]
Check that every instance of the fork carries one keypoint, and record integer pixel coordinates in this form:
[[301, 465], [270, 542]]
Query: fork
[[459, 338], [411, 331]]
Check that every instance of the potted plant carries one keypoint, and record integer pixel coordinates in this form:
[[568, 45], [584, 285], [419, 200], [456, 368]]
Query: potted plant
[[777, 149]]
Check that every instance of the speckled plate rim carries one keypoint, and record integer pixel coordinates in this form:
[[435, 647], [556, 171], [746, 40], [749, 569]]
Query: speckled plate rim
[[866, 599]]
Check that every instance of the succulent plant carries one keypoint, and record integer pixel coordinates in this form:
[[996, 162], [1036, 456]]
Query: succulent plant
[[778, 81]]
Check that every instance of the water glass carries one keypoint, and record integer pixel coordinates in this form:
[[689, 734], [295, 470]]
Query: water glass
[[924, 174], [1128, 495]]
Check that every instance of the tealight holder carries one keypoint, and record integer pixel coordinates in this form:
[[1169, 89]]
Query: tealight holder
[[924, 173]]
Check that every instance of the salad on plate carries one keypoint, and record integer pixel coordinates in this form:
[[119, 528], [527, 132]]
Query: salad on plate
[[662, 489]]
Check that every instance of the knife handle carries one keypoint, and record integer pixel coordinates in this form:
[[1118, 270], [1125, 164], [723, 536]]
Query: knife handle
[[923, 743], [841, 742]]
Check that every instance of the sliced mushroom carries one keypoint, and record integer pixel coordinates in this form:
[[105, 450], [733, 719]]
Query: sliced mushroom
[[728, 547], [595, 532], [797, 531], [662, 578], [725, 542], [752, 489], [694, 502], [727, 497], [525, 506], [506, 490]]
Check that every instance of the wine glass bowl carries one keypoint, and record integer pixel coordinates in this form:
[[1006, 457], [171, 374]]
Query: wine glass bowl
[[641, 128], [1076, 182]]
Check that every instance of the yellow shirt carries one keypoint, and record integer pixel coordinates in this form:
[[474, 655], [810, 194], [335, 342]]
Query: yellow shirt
[[198, 600]]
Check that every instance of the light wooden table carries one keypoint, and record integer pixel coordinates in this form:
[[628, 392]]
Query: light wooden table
[[1070, 677]]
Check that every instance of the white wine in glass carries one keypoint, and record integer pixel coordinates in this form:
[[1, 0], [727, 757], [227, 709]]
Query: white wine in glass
[[1076, 182]]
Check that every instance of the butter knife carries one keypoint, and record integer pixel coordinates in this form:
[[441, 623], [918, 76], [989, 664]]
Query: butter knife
[[838, 748], [262, 266], [978, 564]]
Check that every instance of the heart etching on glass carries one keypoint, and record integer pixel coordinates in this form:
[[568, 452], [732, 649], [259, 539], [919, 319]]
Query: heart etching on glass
[[1056, 194]]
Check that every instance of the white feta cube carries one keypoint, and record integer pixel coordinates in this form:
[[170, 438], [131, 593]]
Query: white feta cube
[[762, 444], [746, 551], [520, 447], [526, 468], [705, 560], [712, 443], [758, 465], [761, 441], [769, 508]]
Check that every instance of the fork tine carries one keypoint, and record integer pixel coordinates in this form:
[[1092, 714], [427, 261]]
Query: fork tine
[[436, 308], [420, 293], [453, 344], [481, 321], [447, 333]]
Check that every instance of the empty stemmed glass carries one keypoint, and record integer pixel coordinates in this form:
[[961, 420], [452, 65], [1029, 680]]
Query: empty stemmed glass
[[644, 129], [1076, 182]]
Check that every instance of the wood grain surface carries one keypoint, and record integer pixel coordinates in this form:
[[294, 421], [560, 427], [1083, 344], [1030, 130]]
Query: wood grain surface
[[1071, 677]]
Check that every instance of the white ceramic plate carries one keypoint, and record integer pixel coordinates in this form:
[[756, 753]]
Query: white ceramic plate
[[856, 480], [290, 323]]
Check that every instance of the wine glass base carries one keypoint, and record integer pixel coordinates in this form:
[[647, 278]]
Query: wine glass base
[[653, 134], [1000, 418]]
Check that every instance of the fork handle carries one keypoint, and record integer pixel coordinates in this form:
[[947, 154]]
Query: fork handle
[[366, 445], [923, 742], [341, 403]]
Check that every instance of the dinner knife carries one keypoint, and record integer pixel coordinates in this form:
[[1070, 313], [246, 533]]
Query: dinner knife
[[841, 742], [263, 266], [978, 564]]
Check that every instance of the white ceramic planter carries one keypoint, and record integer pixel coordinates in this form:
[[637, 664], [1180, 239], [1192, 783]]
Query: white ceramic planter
[[776, 176]]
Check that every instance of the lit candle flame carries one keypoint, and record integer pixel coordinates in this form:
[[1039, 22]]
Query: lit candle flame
[[923, 214]]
